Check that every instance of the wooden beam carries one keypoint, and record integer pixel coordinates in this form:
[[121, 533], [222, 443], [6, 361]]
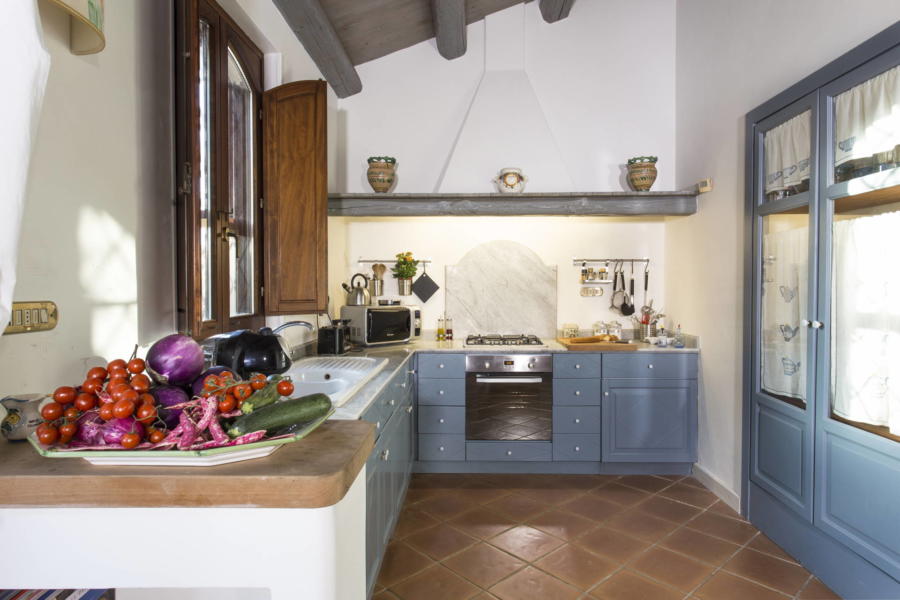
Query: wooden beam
[[311, 26], [556, 10], [450, 27]]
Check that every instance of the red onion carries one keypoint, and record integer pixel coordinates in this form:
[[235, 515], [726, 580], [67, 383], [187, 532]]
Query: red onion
[[169, 395], [175, 359], [114, 429], [90, 428]]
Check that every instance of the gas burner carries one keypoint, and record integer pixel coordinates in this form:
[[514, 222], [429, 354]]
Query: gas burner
[[495, 339]]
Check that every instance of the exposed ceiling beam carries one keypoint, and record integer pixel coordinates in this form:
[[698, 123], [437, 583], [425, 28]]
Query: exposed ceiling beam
[[450, 27], [556, 10], [314, 30]]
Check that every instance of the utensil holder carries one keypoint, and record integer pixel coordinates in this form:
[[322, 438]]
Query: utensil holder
[[376, 287], [647, 331]]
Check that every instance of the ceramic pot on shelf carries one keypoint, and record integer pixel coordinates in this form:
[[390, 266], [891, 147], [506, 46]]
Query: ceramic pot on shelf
[[641, 172], [510, 181], [381, 173]]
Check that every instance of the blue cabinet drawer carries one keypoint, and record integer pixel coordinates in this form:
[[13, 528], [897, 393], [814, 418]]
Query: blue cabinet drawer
[[442, 365], [378, 412], [448, 392], [512, 451], [577, 364], [650, 365], [442, 419], [576, 447], [576, 419], [577, 392], [442, 446]]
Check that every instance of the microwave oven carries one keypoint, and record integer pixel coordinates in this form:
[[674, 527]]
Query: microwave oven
[[377, 325]]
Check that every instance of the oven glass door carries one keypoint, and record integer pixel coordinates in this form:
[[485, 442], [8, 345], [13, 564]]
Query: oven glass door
[[388, 325], [509, 406]]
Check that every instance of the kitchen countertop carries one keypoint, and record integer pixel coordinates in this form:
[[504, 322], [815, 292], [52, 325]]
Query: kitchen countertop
[[314, 472]]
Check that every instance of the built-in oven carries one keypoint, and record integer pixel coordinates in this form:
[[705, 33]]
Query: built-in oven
[[509, 397]]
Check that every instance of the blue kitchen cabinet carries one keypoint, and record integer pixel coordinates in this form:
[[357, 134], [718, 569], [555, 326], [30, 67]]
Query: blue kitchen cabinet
[[577, 392], [441, 407], [389, 466]]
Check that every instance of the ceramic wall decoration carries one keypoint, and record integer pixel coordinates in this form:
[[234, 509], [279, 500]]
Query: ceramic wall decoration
[[641, 172], [510, 180], [22, 415], [381, 173]]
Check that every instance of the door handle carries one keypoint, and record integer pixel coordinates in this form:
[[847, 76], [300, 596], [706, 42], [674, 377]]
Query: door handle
[[818, 325], [509, 379]]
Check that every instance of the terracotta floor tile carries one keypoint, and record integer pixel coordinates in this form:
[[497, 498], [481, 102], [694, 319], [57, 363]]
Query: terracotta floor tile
[[435, 583], [448, 481], [532, 584], [400, 561], [576, 566], [412, 520], [482, 522], [620, 494], [440, 541], [526, 542], [768, 570], [691, 480], [626, 585], [642, 526], [732, 530], [816, 590], [483, 564], [553, 496], [417, 495], [700, 546], [612, 544], [384, 595], [648, 483], [690, 494], [670, 510], [725, 586], [726, 511], [671, 477], [764, 544], [673, 569], [517, 506], [485, 596], [445, 506], [561, 524], [481, 493], [592, 507]]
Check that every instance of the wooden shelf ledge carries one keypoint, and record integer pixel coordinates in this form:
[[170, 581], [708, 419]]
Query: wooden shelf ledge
[[676, 203]]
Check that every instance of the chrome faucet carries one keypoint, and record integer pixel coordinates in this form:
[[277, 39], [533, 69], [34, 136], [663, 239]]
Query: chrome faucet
[[306, 324]]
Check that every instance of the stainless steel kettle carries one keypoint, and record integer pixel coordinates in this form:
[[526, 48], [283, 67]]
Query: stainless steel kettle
[[357, 295]]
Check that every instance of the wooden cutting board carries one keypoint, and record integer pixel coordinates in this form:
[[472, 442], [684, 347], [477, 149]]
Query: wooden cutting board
[[596, 346]]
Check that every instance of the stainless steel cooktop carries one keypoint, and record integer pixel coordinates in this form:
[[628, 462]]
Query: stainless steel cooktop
[[496, 339]]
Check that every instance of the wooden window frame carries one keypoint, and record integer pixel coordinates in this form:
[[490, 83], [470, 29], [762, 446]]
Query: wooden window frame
[[224, 34]]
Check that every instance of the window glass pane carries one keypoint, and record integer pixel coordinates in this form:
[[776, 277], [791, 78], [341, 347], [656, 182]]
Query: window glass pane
[[785, 270], [867, 127], [865, 313], [787, 152], [242, 183], [206, 177]]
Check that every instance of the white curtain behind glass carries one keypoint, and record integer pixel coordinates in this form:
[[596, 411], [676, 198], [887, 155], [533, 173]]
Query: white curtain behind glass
[[867, 118], [24, 64], [787, 153], [865, 336]]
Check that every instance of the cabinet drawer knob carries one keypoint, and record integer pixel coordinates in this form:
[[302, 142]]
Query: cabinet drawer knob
[[409, 408], [440, 448], [577, 448], [577, 392], [577, 366], [509, 452], [378, 425], [385, 454], [606, 393], [441, 366], [650, 366], [392, 402], [577, 420], [440, 420], [440, 392], [403, 385], [818, 324]]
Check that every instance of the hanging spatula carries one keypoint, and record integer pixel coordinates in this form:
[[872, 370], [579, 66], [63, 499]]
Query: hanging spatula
[[628, 304]]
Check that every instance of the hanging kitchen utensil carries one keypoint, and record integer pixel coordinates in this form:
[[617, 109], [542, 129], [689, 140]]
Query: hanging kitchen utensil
[[618, 298], [424, 287], [378, 270], [628, 304], [647, 308]]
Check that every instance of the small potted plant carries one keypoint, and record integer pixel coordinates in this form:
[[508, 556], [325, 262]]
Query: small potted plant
[[404, 270]]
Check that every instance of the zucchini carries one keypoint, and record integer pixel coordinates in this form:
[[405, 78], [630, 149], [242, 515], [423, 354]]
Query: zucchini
[[264, 397], [282, 414]]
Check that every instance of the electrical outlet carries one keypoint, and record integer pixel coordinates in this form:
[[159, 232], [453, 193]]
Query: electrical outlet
[[27, 317]]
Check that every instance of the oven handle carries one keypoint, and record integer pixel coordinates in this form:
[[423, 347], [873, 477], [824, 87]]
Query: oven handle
[[509, 380]]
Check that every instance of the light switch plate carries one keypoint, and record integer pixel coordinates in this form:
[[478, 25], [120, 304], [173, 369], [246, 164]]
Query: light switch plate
[[26, 317]]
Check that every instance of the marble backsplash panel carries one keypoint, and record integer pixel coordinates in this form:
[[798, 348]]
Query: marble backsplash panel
[[502, 287]]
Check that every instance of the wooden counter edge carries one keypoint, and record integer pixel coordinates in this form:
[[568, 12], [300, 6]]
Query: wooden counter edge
[[203, 488]]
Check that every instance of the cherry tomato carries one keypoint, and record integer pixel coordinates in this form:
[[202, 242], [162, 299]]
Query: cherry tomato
[[130, 395], [119, 372], [242, 391], [146, 398], [227, 403], [48, 436], [116, 363], [116, 383], [226, 375], [71, 413], [130, 440], [92, 386], [146, 414], [97, 373], [211, 383], [85, 401], [156, 436], [65, 394], [285, 388], [140, 382], [52, 411], [43, 426], [106, 411], [258, 381], [67, 431], [136, 365], [123, 409]]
